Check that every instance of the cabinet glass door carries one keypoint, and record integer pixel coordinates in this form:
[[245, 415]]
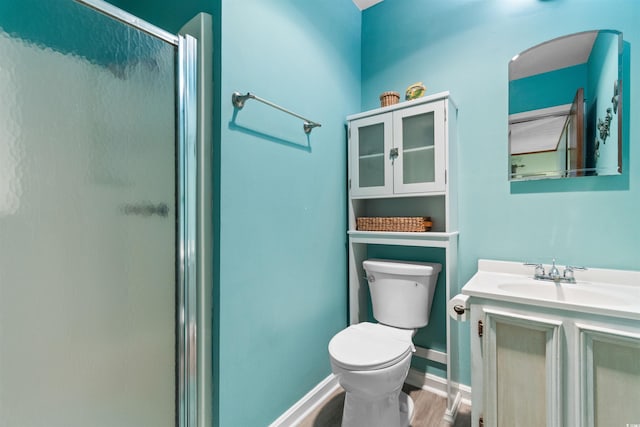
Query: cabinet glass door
[[419, 135], [370, 145]]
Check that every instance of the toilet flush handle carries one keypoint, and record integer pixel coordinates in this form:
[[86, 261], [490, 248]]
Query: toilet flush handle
[[369, 278]]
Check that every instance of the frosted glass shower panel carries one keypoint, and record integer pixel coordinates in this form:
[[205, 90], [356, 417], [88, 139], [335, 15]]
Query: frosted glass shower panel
[[87, 223]]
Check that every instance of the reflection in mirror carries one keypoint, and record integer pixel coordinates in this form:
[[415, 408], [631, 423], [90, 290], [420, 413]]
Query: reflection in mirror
[[565, 107]]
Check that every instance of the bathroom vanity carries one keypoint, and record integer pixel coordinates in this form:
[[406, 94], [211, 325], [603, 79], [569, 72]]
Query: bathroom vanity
[[554, 353], [402, 163]]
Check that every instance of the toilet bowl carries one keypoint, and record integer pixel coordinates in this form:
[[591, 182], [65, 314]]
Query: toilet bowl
[[372, 360]]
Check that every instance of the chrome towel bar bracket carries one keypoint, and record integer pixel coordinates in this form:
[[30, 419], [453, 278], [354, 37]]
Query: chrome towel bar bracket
[[238, 100]]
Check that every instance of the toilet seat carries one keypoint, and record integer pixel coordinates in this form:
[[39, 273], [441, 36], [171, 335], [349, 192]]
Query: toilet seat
[[368, 346]]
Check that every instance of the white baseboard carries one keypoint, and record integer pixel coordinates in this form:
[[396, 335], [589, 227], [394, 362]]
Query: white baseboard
[[430, 354], [429, 382], [438, 385], [465, 393], [310, 401], [316, 397]]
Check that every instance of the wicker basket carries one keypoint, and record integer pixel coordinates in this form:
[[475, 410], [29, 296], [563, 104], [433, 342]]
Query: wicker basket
[[389, 98], [395, 223]]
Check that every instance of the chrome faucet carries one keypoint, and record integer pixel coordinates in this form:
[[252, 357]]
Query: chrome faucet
[[554, 274]]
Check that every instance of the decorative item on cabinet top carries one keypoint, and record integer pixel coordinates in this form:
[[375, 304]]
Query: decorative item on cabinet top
[[415, 91], [397, 223], [389, 98]]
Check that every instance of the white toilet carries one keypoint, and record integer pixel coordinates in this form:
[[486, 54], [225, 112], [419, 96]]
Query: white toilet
[[371, 360]]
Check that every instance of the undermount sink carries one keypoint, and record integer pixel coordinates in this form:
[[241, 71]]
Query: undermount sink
[[598, 291], [570, 293]]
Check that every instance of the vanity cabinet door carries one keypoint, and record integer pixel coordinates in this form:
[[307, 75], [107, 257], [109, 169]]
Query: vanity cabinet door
[[418, 134], [610, 371], [521, 369], [370, 145]]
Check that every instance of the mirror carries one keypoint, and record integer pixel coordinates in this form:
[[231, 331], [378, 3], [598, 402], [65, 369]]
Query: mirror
[[565, 107]]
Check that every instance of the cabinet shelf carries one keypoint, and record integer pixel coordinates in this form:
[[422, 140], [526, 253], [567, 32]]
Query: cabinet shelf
[[433, 239], [432, 194], [417, 149], [371, 156]]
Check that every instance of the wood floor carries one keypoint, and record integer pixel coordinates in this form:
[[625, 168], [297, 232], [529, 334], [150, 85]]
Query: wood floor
[[428, 411]]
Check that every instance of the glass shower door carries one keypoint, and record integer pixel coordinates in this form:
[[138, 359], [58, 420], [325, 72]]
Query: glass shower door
[[87, 220]]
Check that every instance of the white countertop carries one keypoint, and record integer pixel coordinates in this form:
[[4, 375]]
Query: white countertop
[[598, 291]]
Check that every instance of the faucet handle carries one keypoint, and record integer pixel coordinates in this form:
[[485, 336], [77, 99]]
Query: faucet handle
[[568, 272], [539, 269]]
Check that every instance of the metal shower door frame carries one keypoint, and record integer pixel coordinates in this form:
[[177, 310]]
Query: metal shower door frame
[[187, 333], [191, 371]]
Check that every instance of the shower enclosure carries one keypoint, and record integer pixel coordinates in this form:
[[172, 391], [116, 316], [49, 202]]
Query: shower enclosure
[[103, 303]]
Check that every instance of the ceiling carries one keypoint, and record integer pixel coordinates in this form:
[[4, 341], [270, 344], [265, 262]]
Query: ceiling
[[364, 4]]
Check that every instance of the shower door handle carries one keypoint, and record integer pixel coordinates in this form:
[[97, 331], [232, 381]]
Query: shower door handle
[[146, 209]]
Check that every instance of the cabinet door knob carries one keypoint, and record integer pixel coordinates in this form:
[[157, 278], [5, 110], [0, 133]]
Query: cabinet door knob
[[393, 153]]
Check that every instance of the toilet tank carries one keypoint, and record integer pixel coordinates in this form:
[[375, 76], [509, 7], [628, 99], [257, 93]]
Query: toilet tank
[[401, 291]]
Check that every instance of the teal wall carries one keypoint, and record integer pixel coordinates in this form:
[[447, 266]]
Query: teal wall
[[283, 257], [603, 71], [281, 290], [464, 46], [547, 89], [170, 15]]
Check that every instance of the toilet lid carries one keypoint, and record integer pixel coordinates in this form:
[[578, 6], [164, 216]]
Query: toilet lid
[[368, 346]]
